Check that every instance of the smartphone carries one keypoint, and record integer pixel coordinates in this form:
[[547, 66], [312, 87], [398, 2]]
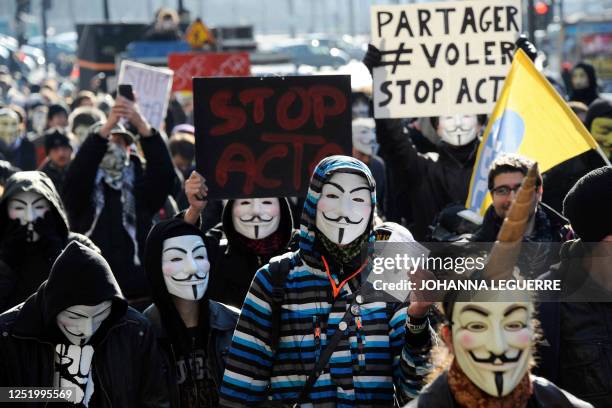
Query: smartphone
[[125, 90]]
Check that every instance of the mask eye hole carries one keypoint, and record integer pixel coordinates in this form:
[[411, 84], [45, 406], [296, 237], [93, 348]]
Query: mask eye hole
[[245, 202], [359, 200], [200, 257], [476, 327], [331, 195], [515, 326], [176, 259]]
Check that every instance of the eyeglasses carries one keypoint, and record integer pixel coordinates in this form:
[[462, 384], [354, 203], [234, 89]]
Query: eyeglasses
[[505, 190]]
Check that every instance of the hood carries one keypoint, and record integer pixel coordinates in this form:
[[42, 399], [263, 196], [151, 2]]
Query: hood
[[586, 95], [79, 276], [599, 108], [322, 173], [40, 183], [171, 321], [285, 226]]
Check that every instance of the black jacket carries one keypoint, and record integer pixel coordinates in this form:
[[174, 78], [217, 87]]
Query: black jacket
[[127, 369], [233, 265], [57, 175], [24, 266], [151, 187], [432, 183], [215, 328], [545, 395], [576, 349]]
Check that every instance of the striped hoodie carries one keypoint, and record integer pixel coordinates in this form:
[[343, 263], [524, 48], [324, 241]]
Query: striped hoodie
[[376, 358]]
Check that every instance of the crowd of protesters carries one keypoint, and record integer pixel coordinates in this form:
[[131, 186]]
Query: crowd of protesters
[[120, 279]]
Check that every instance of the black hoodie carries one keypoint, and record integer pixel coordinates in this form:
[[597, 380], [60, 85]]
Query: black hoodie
[[190, 384], [127, 367], [587, 95], [24, 265], [233, 264]]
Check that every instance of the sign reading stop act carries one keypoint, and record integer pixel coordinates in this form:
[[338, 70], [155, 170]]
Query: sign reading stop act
[[263, 137]]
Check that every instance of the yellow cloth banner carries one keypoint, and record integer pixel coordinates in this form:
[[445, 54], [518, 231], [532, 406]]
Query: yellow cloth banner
[[530, 119]]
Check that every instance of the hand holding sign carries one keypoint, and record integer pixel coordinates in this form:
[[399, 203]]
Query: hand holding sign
[[420, 300], [196, 192]]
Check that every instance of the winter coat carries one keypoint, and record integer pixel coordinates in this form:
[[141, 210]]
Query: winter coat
[[23, 265], [390, 360], [22, 154], [576, 350], [432, 181], [233, 265], [127, 369], [215, 327], [545, 394], [151, 188], [57, 175]]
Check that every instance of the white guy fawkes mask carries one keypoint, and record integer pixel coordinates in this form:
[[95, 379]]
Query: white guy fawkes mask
[[185, 266], [580, 79], [364, 136], [492, 343], [79, 322], [458, 130], [114, 161], [344, 209], [256, 218], [27, 207], [73, 364]]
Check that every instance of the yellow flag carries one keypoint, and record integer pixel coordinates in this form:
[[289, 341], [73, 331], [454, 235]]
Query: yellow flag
[[530, 119]]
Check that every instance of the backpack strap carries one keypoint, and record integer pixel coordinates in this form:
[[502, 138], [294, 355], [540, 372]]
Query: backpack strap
[[279, 267]]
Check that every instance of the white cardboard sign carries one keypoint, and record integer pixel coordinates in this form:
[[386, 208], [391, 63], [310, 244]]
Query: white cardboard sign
[[442, 58]]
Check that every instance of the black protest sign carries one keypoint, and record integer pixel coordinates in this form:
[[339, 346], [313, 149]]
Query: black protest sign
[[442, 58], [263, 137]]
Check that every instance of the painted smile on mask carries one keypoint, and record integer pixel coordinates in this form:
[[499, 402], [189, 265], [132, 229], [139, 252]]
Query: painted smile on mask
[[344, 209], [256, 221]]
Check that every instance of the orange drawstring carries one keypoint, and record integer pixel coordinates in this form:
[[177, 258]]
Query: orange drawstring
[[336, 289]]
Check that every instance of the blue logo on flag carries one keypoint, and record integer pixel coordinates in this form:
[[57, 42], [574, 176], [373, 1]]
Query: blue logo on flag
[[506, 136]]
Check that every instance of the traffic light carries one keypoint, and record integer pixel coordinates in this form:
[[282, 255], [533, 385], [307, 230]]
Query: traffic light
[[544, 14]]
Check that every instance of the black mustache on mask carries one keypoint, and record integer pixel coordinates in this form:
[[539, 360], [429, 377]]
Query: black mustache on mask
[[347, 219], [256, 217], [189, 277], [495, 357]]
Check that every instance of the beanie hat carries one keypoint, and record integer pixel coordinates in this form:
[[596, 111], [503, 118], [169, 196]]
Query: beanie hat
[[56, 109], [587, 205], [56, 137]]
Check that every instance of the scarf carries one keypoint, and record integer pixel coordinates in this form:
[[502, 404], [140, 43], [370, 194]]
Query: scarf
[[345, 254], [468, 395], [125, 184], [265, 246]]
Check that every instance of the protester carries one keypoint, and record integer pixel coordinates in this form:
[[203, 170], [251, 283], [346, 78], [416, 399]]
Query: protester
[[33, 231], [312, 310], [77, 331], [182, 149], [584, 84], [112, 199], [364, 149], [84, 98], [598, 121], [81, 119], [194, 332], [491, 354], [59, 154], [57, 116], [545, 226], [575, 349], [17, 148], [253, 230]]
